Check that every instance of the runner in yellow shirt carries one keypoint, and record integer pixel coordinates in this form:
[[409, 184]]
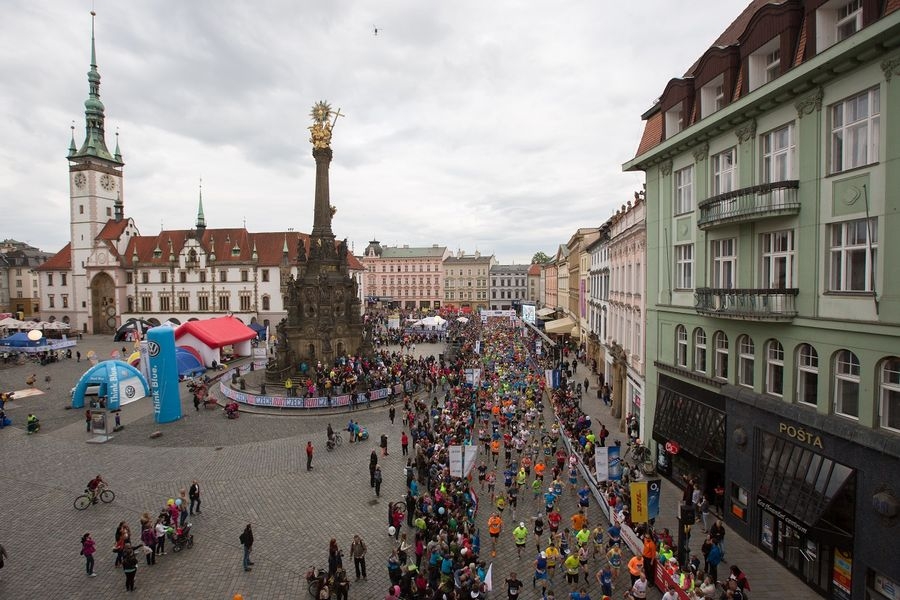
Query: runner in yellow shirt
[[520, 536]]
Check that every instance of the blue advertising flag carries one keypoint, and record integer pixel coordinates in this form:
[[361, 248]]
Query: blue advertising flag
[[615, 463], [163, 374], [653, 490]]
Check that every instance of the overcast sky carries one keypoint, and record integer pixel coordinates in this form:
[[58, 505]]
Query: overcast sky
[[496, 126]]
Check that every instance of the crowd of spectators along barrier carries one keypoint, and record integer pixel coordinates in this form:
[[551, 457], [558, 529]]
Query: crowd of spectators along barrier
[[630, 537], [354, 400]]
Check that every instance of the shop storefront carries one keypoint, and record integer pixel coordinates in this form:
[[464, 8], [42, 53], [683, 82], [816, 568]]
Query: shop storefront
[[816, 493], [634, 397], [689, 429]]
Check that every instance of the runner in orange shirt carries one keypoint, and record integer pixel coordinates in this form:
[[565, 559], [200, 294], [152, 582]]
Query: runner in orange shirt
[[495, 526]]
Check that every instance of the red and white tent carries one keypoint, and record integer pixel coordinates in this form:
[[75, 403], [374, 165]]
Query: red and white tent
[[209, 336]]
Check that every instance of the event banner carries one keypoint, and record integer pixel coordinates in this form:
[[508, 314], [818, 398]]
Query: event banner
[[462, 460], [639, 508], [653, 491], [163, 374], [601, 463], [615, 463]]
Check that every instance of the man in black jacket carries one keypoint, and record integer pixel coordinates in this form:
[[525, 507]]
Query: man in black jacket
[[247, 542], [194, 495]]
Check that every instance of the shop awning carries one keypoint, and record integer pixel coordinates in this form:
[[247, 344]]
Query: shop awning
[[560, 326], [545, 312], [806, 485], [576, 330], [698, 428]]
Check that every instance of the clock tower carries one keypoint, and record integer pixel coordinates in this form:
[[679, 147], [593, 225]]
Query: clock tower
[[95, 187]]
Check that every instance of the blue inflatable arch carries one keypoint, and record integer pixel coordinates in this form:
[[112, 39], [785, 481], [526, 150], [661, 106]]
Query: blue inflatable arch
[[117, 381]]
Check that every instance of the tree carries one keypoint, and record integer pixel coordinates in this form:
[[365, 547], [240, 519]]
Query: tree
[[540, 258]]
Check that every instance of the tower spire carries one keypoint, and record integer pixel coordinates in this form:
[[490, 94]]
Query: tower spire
[[94, 117], [201, 219]]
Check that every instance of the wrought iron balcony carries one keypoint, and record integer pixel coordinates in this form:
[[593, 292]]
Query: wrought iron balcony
[[750, 204], [747, 304]]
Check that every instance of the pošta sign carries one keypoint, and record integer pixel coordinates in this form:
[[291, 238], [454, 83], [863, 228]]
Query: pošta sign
[[800, 434]]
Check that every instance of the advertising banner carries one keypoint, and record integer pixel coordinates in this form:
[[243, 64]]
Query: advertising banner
[[455, 454], [601, 463], [615, 463], [163, 374], [639, 508], [653, 491]]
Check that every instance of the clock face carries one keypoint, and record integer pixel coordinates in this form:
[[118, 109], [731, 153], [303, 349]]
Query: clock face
[[107, 183], [80, 180]]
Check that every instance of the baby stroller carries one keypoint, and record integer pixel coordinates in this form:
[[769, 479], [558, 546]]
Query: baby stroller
[[181, 537], [363, 434], [231, 410]]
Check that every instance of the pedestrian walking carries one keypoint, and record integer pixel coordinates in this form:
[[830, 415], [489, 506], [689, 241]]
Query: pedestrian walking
[[358, 552], [196, 402], [309, 455], [335, 557], [384, 451], [194, 495], [88, 547], [404, 444], [373, 462], [78, 356], [392, 412], [247, 543], [87, 420], [129, 567], [377, 479]]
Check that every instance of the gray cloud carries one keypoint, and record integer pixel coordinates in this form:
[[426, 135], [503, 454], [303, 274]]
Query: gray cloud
[[500, 126]]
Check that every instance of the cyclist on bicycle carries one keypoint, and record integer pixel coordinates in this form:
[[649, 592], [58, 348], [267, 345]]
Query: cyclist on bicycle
[[94, 487], [330, 433]]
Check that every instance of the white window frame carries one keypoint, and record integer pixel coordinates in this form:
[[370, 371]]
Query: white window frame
[[746, 361], [700, 353], [681, 346], [844, 240], [855, 137], [683, 201], [684, 266], [724, 263], [849, 19], [674, 120], [764, 64], [889, 393], [774, 368], [712, 96], [724, 171], [720, 341], [778, 154], [807, 364], [772, 65], [778, 258], [846, 379]]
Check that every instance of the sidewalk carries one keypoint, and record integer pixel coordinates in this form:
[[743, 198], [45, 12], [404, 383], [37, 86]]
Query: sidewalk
[[768, 579]]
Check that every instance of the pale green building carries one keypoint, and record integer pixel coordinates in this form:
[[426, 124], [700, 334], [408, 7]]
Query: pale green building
[[773, 284]]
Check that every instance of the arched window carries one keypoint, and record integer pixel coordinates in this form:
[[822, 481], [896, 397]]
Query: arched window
[[265, 303], [700, 350], [681, 346], [746, 359], [890, 393], [774, 368], [846, 384], [720, 340], [807, 375]]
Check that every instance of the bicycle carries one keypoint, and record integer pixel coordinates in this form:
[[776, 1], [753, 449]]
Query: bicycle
[[335, 441], [86, 499]]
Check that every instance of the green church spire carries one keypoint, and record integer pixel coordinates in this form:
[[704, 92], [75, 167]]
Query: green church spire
[[201, 219], [94, 133]]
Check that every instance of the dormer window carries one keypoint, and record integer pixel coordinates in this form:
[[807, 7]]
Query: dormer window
[[674, 120], [836, 21], [712, 96], [765, 64]]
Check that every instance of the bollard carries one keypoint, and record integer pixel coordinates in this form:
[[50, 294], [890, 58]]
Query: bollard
[[262, 388], [243, 384]]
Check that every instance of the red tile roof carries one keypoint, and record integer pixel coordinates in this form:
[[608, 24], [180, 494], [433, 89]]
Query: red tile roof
[[216, 332], [113, 229], [733, 32], [61, 261], [652, 133], [269, 246], [801, 43], [534, 269]]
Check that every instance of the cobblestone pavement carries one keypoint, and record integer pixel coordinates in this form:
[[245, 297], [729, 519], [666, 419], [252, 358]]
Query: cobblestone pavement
[[251, 470]]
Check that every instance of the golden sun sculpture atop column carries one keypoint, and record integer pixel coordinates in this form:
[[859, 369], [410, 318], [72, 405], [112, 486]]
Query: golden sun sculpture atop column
[[320, 130]]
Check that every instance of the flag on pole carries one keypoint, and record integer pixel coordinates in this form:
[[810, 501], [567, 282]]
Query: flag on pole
[[489, 578]]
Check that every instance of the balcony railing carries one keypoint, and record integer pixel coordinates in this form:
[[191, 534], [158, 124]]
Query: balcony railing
[[750, 204], [747, 304]]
